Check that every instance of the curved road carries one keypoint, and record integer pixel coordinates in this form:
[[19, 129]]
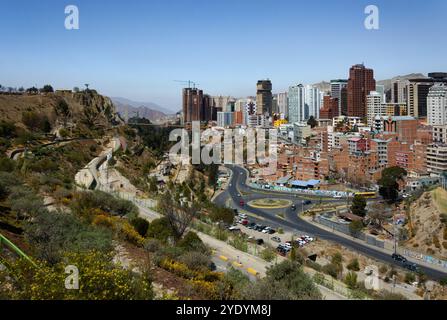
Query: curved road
[[238, 187]]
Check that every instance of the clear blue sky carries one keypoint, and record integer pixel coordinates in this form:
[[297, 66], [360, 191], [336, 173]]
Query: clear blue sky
[[135, 49]]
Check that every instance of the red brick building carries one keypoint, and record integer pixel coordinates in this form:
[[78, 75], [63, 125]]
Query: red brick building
[[361, 82]]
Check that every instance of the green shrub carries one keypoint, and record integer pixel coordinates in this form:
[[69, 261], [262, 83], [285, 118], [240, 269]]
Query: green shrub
[[353, 265], [332, 269], [410, 277], [141, 225], [192, 242], [351, 280], [6, 164], [268, 254], [160, 229]]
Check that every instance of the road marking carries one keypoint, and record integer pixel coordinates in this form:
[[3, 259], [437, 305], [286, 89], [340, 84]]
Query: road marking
[[223, 258], [237, 264]]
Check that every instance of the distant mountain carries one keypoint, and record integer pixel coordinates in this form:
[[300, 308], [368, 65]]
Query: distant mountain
[[387, 82], [323, 86], [148, 110], [138, 104]]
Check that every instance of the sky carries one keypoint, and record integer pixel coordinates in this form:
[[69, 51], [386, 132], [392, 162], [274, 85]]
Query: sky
[[137, 48]]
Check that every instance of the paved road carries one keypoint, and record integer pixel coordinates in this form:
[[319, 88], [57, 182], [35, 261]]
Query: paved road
[[294, 223]]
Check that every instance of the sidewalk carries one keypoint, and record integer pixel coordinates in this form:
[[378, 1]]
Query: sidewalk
[[389, 252]]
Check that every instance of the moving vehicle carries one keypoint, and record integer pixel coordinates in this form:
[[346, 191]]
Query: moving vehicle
[[241, 203], [293, 207]]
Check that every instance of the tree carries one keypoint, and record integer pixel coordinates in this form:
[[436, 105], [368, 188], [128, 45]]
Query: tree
[[47, 89], [355, 227], [180, 214], [389, 182], [76, 90], [221, 214], [160, 229], [32, 90], [284, 281], [141, 225], [358, 206], [312, 122]]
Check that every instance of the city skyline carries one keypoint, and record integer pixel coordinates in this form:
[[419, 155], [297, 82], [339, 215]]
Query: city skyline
[[136, 50]]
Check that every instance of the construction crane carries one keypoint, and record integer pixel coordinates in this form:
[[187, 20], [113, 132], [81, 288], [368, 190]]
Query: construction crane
[[188, 82]]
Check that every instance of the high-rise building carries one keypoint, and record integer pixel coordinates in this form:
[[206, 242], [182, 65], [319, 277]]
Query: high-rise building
[[380, 88], [437, 105], [399, 89], [336, 92], [344, 101], [437, 158], [192, 105], [312, 102], [417, 92], [283, 103], [221, 102], [224, 119], [376, 107], [330, 108], [361, 82], [296, 95], [264, 97]]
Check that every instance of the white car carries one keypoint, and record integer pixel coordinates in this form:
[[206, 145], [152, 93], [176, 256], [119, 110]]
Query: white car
[[265, 230], [243, 216], [233, 228]]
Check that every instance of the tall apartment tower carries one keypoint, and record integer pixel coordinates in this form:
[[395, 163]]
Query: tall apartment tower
[[336, 91], [399, 91], [376, 107], [296, 95], [417, 93], [313, 102], [437, 105], [264, 99], [361, 82], [192, 105]]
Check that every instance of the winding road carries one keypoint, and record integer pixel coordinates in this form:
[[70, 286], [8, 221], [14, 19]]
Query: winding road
[[238, 190]]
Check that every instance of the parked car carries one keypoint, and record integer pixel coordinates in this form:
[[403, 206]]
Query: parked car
[[411, 266], [293, 207], [251, 225], [241, 203], [260, 242], [307, 202], [276, 239], [398, 257], [234, 228], [265, 230], [259, 227], [243, 216], [244, 222]]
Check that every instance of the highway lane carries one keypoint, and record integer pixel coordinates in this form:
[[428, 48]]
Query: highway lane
[[298, 225]]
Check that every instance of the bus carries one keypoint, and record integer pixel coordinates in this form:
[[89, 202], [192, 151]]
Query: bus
[[367, 195]]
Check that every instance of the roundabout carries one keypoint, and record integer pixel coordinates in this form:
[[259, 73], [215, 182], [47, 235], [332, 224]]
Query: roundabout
[[270, 203]]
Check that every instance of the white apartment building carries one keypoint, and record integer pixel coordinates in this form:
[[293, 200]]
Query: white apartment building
[[375, 107], [437, 105], [296, 95]]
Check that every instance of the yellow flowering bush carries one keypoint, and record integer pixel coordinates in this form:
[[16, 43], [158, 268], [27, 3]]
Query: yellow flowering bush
[[99, 279]]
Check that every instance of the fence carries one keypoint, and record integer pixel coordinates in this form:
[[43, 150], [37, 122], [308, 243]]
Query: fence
[[344, 228], [320, 193]]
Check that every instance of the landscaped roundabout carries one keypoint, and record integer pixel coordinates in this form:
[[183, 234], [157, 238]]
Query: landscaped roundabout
[[270, 203]]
